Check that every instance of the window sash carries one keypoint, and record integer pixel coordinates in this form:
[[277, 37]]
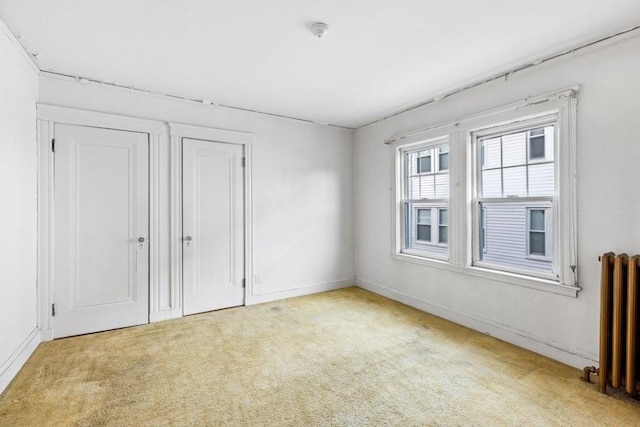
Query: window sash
[[519, 176], [479, 252], [435, 228]]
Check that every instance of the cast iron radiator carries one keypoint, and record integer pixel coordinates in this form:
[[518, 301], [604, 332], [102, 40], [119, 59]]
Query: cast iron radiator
[[619, 338]]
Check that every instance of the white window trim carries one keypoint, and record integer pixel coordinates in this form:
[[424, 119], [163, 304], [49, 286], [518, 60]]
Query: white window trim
[[400, 239], [548, 236], [527, 201], [461, 242], [531, 159], [435, 209]]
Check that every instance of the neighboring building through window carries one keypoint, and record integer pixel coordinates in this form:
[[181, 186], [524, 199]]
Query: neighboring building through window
[[425, 201], [516, 190], [508, 212]]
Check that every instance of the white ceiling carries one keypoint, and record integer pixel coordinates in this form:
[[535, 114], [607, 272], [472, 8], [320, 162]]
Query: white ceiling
[[379, 56]]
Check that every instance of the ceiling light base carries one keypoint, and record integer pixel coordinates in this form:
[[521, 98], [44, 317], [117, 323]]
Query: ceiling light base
[[319, 29]]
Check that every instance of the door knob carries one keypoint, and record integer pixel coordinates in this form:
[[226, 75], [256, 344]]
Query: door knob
[[188, 238], [140, 239]]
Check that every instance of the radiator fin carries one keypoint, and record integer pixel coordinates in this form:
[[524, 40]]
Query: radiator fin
[[619, 364]]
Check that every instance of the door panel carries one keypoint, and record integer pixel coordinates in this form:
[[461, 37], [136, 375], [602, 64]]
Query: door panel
[[213, 228], [100, 211]]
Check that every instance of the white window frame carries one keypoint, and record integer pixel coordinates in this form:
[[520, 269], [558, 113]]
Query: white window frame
[[421, 248], [435, 225], [548, 234], [528, 201], [530, 137], [439, 153], [440, 225], [463, 240]]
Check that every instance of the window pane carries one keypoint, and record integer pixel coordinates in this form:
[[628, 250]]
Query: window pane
[[536, 147], [492, 153], [443, 237], [508, 242], [536, 132], [424, 216], [491, 183], [514, 149], [442, 186], [427, 187], [537, 220], [424, 164], [541, 180], [424, 233], [443, 220], [515, 181], [536, 243], [413, 188], [444, 161], [412, 163]]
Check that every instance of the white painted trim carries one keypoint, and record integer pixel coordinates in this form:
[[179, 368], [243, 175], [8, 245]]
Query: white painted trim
[[462, 245], [179, 131], [73, 116], [506, 277], [520, 338], [18, 358], [154, 232], [248, 221], [14, 40], [46, 335], [48, 116], [165, 314], [300, 291], [45, 229], [175, 247], [210, 134]]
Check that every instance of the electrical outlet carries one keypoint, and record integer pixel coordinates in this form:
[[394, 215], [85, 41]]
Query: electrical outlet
[[256, 279]]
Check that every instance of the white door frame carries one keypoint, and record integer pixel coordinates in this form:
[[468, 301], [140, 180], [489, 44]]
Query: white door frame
[[48, 116], [177, 132]]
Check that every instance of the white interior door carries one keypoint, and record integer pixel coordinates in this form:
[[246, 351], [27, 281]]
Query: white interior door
[[101, 215], [213, 225]]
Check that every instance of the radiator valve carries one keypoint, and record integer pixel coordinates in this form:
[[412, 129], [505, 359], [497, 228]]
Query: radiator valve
[[588, 370]]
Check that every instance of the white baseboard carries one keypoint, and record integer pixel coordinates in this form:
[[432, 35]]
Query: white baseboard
[[297, 292], [46, 335], [164, 314], [14, 363], [511, 335]]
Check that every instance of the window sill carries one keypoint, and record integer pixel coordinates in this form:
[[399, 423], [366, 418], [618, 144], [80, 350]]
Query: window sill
[[543, 285], [424, 255]]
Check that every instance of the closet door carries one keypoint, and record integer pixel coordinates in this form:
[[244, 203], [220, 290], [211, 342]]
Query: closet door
[[101, 223], [213, 228]]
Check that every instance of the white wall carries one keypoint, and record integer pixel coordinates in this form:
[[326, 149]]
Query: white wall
[[302, 186], [18, 211], [608, 163]]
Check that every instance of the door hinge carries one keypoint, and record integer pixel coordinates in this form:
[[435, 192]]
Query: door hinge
[[53, 145], [244, 282], [53, 310], [244, 161]]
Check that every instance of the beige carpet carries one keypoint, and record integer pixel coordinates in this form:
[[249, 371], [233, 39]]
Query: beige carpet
[[343, 358]]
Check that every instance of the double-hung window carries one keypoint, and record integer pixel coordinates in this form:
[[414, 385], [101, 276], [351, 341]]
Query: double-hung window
[[508, 211], [425, 199], [515, 195]]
